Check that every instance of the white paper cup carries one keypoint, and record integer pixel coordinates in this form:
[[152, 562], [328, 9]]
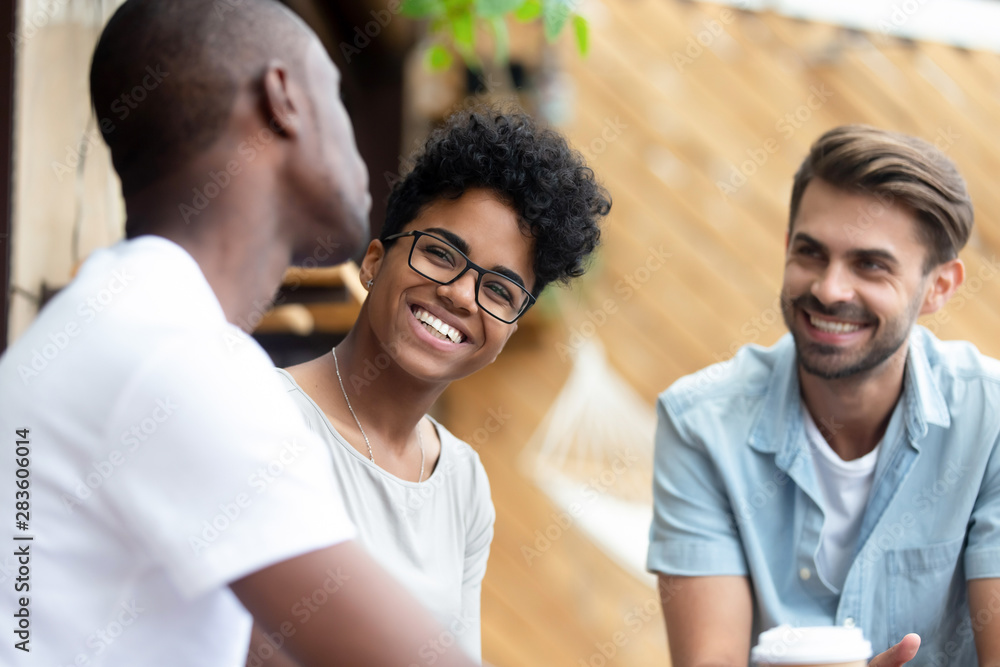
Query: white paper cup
[[833, 646]]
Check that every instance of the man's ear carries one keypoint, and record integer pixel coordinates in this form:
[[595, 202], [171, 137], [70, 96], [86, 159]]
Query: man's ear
[[372, 262], [943, 281], [280, 106]]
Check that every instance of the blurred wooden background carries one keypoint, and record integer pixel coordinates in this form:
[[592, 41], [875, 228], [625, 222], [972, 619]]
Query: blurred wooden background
[[675, 99]]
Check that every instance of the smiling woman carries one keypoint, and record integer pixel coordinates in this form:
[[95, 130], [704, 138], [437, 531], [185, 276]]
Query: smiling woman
[[493, 210]]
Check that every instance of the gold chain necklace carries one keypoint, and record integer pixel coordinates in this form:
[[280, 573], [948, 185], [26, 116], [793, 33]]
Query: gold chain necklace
[[371, 456]]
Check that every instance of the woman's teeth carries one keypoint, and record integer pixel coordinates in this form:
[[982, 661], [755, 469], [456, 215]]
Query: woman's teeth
[[833, 326], [437, 327]]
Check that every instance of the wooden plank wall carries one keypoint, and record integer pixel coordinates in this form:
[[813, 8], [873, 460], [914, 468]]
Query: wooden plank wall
[[673, 99]]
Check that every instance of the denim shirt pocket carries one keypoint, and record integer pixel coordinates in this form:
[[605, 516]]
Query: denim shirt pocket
[[927, 592]]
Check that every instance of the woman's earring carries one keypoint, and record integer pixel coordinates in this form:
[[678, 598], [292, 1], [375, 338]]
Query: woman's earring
[[370, 283]]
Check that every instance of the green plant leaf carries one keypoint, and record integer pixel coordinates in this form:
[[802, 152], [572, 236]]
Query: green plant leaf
[[582, 30], [438, 58], [489, 9], [499, 26], [529, 11], [418, 9], [464, 31], [555, 13]]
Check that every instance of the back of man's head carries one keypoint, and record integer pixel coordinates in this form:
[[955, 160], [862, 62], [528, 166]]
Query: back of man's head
[[165, 74], [894, 167]]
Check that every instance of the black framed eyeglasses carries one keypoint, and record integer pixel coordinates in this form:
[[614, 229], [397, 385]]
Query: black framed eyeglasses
[[437, 260]]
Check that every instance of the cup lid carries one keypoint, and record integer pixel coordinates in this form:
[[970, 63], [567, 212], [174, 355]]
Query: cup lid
[[787, 645]]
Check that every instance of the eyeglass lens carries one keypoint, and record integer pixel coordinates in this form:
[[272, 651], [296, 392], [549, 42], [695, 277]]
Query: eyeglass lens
[[441, 262]]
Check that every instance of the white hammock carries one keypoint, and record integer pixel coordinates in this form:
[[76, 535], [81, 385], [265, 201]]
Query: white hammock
[[592, 455]]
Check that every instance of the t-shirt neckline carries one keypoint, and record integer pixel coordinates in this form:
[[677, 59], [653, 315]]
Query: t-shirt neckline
[[854, 468], [361, 457]]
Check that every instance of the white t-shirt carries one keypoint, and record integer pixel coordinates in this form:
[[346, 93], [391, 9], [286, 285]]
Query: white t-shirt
[[165, 463], [846, 486], [434, 537]]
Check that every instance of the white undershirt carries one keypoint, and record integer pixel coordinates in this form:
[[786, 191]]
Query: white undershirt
[[846, 486]]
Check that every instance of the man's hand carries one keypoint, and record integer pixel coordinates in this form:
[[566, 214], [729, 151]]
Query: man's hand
[[900, 654]]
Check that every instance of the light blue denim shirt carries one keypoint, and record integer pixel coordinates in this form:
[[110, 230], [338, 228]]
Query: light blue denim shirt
[[735, 493]]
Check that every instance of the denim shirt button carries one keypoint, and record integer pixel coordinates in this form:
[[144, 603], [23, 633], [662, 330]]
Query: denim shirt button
[[804, 574], [849, 622]]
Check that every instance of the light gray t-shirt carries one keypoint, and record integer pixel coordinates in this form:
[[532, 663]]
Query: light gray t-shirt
[[433, 536]]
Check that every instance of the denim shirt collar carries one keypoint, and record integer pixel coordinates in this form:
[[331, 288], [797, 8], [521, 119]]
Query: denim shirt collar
[[924, 401], [778, 427]]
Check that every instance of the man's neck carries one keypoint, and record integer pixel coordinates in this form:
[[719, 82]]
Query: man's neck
[[240, 239], [237, 242], [243, 274], [853, 413]]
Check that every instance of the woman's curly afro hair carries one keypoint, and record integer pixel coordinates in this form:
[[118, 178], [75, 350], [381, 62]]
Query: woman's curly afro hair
[[554, 194]]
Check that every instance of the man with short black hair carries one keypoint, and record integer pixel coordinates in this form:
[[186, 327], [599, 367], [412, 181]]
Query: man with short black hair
[[849, 474], [167, 483]]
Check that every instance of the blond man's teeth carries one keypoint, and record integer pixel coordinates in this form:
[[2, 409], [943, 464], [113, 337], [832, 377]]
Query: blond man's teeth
[[436, 326], [833, 326]]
